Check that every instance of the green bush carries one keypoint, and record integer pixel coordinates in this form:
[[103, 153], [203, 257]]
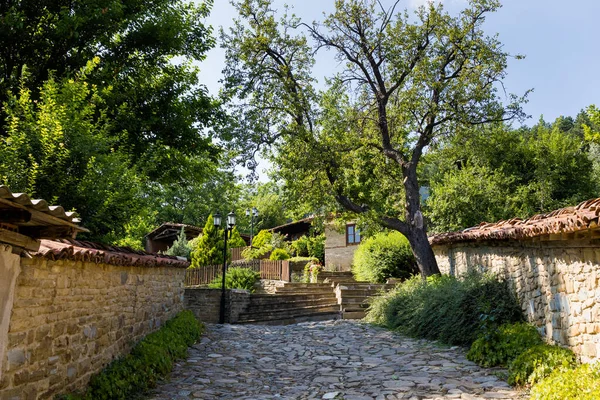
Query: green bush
[[538, 362], [149, 360], [383, 256], [581, 383], [237, 278], [300, 246], [316, 247], [279, 254], [445, 308], [262, 238], [501, 346]]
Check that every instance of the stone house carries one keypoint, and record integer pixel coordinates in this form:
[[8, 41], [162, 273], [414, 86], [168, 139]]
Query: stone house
[[553, 263], [340, 243]]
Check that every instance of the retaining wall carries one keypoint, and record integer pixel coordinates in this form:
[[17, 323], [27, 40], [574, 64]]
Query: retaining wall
[[206, 303], [557, 282], [69, 319]]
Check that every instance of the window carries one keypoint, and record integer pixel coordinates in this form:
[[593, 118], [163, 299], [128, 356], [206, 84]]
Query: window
[[352, 234]]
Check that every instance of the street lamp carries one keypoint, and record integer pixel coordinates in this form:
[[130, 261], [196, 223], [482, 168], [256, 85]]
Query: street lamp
[[228, 228], [252, 215]]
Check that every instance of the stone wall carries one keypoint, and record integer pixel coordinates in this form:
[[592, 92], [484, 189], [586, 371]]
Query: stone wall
[[338, 255], [70, 319], [557, 283], [268, 285], [206, 303]]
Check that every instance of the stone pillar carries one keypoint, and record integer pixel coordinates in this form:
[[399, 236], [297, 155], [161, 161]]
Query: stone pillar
[[10, 267]]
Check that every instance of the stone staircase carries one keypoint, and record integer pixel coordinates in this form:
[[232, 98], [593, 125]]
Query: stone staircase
[[292, 303], [352, 296], [337, 295]]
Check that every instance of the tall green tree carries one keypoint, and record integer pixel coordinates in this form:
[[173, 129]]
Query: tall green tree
[[157, 107], [498, 172], [405, 82], [208, 248]]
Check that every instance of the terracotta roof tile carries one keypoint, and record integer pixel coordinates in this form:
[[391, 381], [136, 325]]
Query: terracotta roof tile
[[78, 250], [563, 221]]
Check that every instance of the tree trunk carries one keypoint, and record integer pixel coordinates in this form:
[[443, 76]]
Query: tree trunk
[[417, 236], [423, 252]]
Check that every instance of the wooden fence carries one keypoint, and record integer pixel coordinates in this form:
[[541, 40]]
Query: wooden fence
[[236, 253], [269, 269]]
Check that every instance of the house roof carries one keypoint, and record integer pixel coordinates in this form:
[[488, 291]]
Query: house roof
[[23, 220], [300, 223], [79, 250], [170, 230], [565, 223]]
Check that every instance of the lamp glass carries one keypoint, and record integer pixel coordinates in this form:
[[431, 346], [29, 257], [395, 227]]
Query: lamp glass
[[247, 212], [254, 211], [231, 219], [217, 220]]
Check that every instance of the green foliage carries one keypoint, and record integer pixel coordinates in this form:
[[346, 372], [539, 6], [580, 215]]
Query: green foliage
[[279, 254], [316, 247], [237, 278], [383, 256], [311, 272], [235, 239], [310, 246], [209, 248], [263, 238], [445, 308], [339, 150], [538, 362], [300, 246], [472, 178], [501, 346], [581, 383], [180, 246], [151, 359]]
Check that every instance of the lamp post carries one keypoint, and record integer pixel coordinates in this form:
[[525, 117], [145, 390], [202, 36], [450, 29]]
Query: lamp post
[[226, 230], [252, 214]]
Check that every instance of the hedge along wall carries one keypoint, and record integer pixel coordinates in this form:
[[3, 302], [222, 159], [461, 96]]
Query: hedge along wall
[[69, 319], [557, 283]]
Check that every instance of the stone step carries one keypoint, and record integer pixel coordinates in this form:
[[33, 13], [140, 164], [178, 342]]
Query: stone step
[[293, 285], [308, 317], [305, 290], [355, 300], [289, 305], [365, 286], [358, 292], [287, 314], [276, 298], [353, 314]]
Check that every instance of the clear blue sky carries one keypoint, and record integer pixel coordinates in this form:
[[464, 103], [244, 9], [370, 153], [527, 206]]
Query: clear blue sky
[[560, 39]]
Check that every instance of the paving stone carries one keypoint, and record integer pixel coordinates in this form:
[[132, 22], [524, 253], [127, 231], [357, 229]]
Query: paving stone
[[326, 360]]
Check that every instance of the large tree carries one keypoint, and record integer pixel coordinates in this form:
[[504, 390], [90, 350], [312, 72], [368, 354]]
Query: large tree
[[403, 82]]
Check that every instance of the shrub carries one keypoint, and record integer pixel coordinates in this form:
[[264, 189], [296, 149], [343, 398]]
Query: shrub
[[262, 238], [538, 362], [250, 253], [581, 383], [279, 254], [445, 308], [180, 247], [311, 272], [383, 256], [501, 346], [316, 247], [149, 360], [300, 246], [237, 278]]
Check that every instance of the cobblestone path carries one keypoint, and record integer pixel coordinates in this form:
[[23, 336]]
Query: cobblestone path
[[326, 360]]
